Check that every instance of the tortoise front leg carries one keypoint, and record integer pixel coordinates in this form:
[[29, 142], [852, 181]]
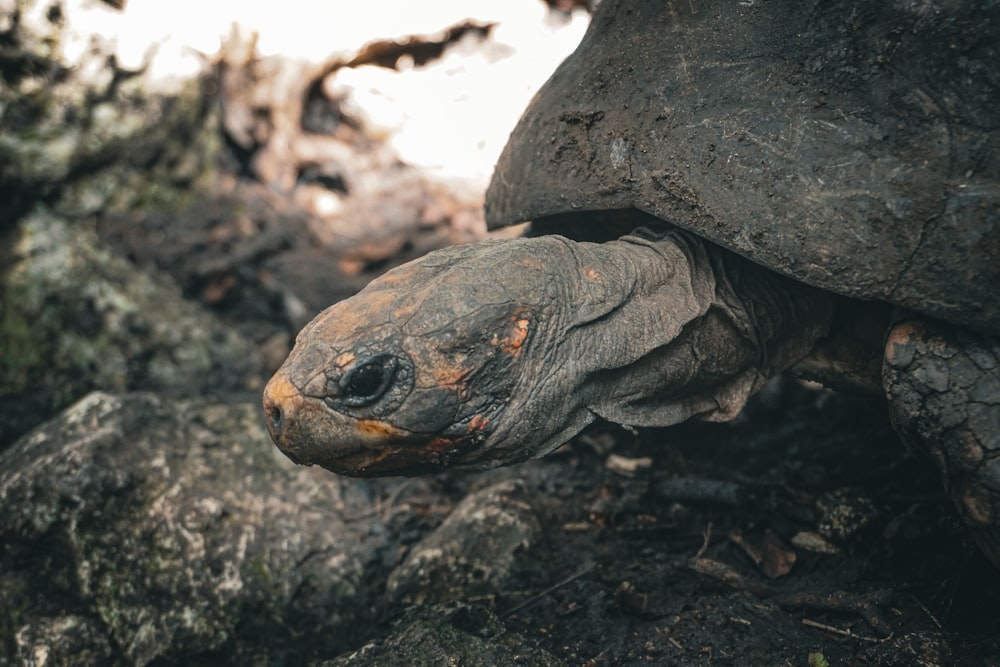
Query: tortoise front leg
[[943, 384]]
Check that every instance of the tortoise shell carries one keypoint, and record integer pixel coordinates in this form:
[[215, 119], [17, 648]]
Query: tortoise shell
[[854, 146]]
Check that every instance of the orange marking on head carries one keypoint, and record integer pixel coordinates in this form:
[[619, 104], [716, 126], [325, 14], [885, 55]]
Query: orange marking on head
[[438, 445], [450, 376], [403, 312], [340, 318], [516, 335], [374, 427], [590, 273], [345, 359], [281, 389], [478, 423], [395, 278]]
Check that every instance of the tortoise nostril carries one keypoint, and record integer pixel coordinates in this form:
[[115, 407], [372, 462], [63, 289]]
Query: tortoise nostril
[[280, 401], [275, 419]]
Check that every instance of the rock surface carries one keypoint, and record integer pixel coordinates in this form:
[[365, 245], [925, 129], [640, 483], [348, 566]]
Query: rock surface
[[458, 635], [472, 553], [72, 112], [74, 317], [138, 530]]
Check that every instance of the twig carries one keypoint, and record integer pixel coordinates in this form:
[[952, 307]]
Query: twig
[[842, 632], [554, 587], [706, 538], [865, 605], [928, 612], [702, 491]]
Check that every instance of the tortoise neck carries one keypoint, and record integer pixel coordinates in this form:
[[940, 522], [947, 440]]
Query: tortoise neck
[[667, 327]]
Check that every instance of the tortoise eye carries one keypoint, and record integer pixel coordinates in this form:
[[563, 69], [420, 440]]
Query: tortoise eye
[[367, 380]]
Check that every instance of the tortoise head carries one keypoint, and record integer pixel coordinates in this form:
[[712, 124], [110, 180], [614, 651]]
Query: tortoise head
[[418, 371]]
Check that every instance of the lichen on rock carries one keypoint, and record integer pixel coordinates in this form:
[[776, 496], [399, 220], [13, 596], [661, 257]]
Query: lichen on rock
[[138, 529], [69, 108], [76, 317]]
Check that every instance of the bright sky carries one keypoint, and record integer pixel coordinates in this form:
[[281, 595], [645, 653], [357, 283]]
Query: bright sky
[[452, 116]]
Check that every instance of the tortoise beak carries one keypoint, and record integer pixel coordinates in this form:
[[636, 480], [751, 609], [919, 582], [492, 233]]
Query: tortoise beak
[[308, 433], [303, 428]]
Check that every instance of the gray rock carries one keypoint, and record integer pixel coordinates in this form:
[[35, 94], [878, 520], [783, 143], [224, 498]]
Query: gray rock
[[139, 530], [472, 552], [76, 317], [440, 635], [62, 639], [82, 133], [69, 109]]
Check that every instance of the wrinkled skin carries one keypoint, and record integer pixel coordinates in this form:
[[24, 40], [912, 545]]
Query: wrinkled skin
[[408, 374], [488, 354]]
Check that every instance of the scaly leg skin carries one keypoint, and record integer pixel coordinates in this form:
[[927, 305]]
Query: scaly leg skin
[[943, 384]]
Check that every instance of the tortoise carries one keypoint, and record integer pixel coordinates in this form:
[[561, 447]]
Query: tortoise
[[718, 192]]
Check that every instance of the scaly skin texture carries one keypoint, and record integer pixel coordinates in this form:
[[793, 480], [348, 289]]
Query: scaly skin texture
[[944, 389], [488, 354]]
